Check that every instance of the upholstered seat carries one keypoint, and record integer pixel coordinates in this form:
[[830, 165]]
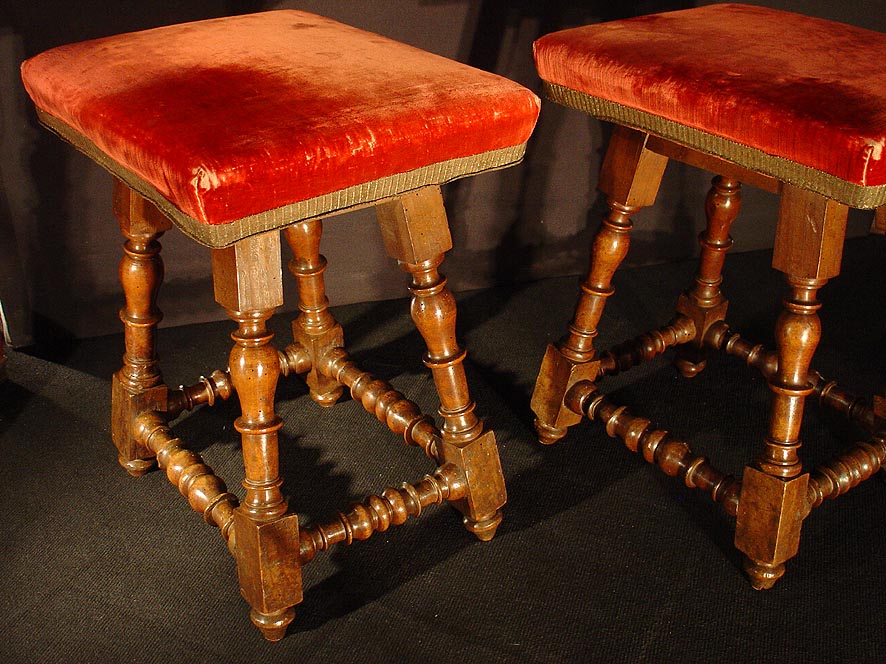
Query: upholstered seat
[[792, 96], [238, 125], [792, 104], [233, 129]]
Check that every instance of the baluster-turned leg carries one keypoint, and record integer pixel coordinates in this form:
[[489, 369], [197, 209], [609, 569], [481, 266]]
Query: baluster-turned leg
[[138, 385], [416, 233], [630, 178], [248, 284], [704, 303], [773, 500], [315, 328]]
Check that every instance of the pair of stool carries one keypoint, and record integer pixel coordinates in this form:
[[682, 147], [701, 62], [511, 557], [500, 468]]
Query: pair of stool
[[234, 129]]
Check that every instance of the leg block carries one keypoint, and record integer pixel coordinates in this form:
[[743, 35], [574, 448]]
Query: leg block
[[414, 227], [323, 389], [770, 514], [486, 494], [127, 403], [691, 358], [809, 236], [557, 374], [268, 570]]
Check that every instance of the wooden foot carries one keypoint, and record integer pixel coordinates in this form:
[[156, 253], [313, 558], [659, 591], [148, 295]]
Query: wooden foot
[[416, 233], [248, 283], [138, 386], [272, 625], [763, 575], [548, 435], [558, 373], [315, 328], [484, 529], [704, 303]]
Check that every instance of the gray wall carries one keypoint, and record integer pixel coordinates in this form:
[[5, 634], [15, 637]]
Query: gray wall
[[59, 245]]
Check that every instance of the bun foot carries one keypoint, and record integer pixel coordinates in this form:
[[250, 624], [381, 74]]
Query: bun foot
[[272, 625], [690, 361], [763, 575], [328, 399], [484, 529], [548, 435], [138, 467]]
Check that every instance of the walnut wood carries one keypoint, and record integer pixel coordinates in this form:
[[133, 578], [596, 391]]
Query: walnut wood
[[557, 374], [630, 178], [846, 471], [768, 523], [657, 447], [379, 512], [248, 284], [852, 407], [433, 311], [414, 227], [138, 385], [775, 494], [646, 347], [402, 416], [830, 394], [416, 234], [295, 359], [809, 236], [721, 337], [206, 493], [797, 332], [770, 494], [628, 187], [315, 329], [704, 302], [713, 164], [204, 391]]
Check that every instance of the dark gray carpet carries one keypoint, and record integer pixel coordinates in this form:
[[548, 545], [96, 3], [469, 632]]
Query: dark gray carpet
[[600, 557]]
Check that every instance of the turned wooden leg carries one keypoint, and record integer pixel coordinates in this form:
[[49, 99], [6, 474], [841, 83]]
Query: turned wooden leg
[[315, 328], [704, 303], [630, 178], [416, 233], [774, 500], [248, 284], [138, 386]]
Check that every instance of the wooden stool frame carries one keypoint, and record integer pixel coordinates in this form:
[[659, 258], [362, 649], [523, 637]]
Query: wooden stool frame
[[775, 494], [265, 538]]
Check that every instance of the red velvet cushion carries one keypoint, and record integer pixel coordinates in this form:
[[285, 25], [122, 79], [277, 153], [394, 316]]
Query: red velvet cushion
[[806, 89], [235, 116]]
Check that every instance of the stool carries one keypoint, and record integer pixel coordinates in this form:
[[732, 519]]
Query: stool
[[790, 104], [232, 129]]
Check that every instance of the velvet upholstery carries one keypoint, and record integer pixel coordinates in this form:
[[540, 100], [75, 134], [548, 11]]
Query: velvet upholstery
[[231, 117], [791, 86]]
